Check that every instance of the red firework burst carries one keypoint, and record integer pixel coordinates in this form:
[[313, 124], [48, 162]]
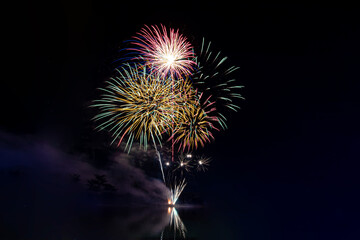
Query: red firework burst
[[168, 53]]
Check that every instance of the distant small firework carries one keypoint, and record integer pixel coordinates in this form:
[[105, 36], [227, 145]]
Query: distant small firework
[[202, 163], [213, 77], [183, 164], [169, 53]]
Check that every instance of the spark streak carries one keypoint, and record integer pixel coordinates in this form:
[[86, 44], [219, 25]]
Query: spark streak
[[176, 191]]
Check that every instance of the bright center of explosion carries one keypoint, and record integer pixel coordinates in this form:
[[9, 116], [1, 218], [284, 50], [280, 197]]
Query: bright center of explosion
[[169, 59]]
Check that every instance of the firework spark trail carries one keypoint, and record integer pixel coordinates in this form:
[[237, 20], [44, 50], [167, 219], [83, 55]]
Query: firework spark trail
[[160, 162], [176, 190], [213, 77], [168, 53]]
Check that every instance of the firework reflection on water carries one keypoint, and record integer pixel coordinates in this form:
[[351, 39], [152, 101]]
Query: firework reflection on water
[[176, 222]]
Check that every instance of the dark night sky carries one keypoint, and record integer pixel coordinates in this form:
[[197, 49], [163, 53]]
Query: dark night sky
[[297, 136]]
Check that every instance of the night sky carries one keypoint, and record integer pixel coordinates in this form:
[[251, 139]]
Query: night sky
[[291, 152]]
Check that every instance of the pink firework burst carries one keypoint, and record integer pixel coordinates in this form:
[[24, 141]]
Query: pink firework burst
[[169, 54]]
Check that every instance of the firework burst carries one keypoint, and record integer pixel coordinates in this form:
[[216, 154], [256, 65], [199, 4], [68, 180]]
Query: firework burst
[[184, 164], [138, 105], [202, 163], [165, 91], [169, 53], [213, 77], [196, 125]]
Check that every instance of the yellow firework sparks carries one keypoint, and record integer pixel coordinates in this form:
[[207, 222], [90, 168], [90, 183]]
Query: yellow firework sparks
[[195, 126], [141, 106]]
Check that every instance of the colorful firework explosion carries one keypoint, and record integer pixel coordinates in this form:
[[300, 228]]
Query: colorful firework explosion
[[169, 53], [196, 125], [140, 105], [166, 90]]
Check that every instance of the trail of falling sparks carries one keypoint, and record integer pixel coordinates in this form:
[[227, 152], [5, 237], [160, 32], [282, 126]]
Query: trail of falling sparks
[[160, 162]]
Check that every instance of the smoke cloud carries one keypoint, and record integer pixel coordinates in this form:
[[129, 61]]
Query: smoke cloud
[[32, 164], [46, 190]]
